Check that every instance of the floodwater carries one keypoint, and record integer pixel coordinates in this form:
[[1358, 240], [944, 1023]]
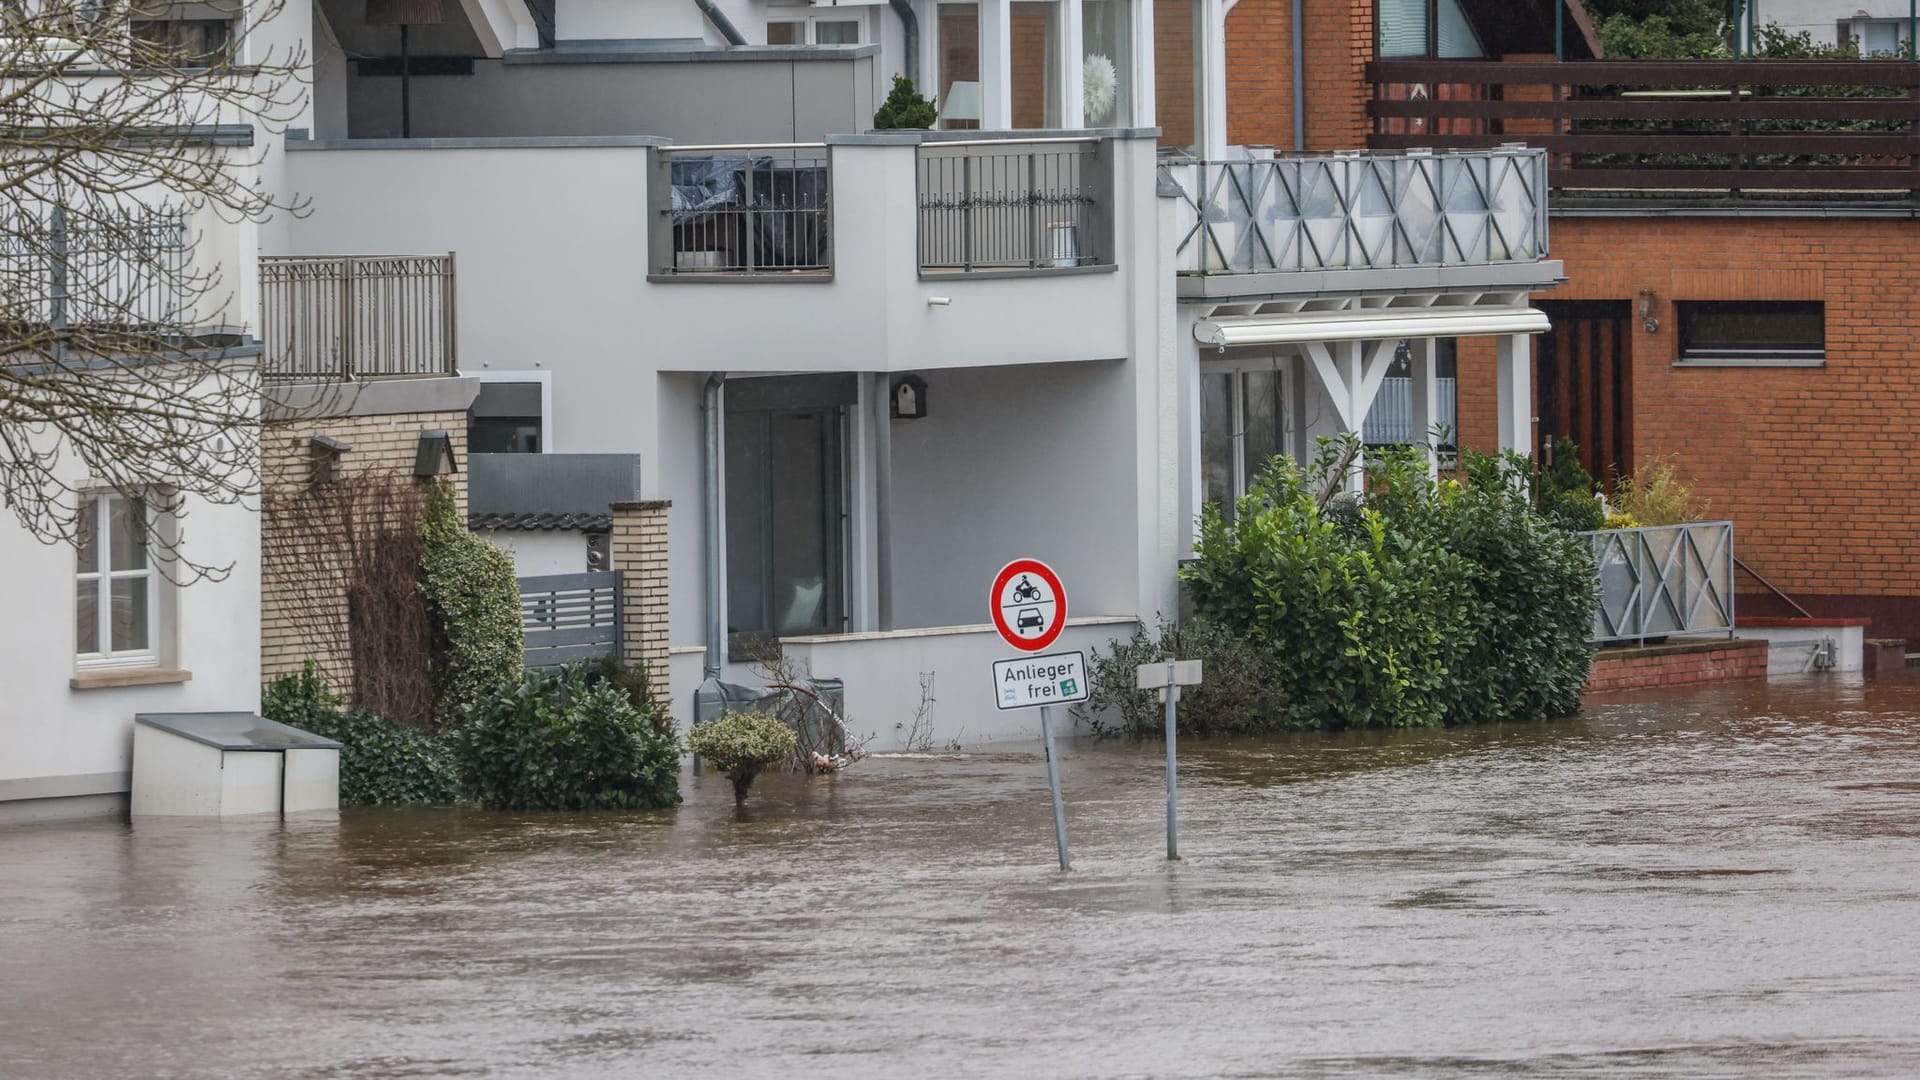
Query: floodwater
[[1717, 883]]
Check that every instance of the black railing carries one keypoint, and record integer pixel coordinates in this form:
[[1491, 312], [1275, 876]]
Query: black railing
[[127, 270], [999, 205], [744, 210], [357, 316]]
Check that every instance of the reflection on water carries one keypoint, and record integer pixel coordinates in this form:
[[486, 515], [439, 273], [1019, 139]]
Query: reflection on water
[[1719, 883]]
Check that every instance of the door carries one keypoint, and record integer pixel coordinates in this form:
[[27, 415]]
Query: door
[[1584, 387]]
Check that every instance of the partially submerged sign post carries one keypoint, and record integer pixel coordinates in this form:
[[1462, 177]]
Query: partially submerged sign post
[[1168, 678], [1029, 611]]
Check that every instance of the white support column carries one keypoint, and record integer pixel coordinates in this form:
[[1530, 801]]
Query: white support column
[[1143, 70], [1424, 367], [1211, 77], [996, 65], [1353, 370], [1072, 59], [1514, 383]]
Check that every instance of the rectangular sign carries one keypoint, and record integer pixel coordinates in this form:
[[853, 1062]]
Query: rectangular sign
[[1154, 676], [1053, 679]]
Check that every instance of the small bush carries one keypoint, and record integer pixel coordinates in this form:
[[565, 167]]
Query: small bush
[[633, 682], [742, 745], [1655, 495], [1239, 695], [564, 741], [905, 107], [382, 763], [473, 601], [1564, 491]]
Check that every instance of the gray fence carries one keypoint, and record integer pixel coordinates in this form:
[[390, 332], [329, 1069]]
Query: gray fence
[[129, 270], [357, 316], [1663, 581], [568, 617], [1002, 205], [743, 210]]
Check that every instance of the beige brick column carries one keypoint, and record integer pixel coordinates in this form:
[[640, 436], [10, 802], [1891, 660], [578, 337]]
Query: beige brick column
[[639, 553]]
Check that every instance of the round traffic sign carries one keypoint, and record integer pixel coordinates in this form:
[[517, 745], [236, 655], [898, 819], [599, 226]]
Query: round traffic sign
[[1029, 605]]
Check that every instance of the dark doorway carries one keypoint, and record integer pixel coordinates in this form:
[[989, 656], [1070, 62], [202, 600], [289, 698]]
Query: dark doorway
[[1584, 388]]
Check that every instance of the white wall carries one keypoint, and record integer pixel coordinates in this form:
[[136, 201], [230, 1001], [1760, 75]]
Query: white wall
[[51, 731], [1819, 18], [542, 551]]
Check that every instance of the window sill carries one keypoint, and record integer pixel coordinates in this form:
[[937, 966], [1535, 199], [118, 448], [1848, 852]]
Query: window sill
[[109, 677], [1757, 361]]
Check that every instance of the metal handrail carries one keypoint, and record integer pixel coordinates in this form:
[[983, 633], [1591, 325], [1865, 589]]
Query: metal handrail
[[357, 316]]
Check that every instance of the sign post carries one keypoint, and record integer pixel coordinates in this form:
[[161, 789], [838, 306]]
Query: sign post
[[1029, 612], [1168, 678]]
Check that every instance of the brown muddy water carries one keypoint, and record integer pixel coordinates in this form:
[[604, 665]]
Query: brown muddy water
[[1720, 883]]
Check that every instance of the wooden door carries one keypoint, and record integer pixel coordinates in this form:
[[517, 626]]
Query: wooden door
[[1584, 386]]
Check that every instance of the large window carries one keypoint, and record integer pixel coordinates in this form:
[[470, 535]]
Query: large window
[[816, 30], [1035, 41], [785, 501], [1784, 332], [115, 589], [1106, 36], [958, 48], [1425, 28], [1243, 424], [505, 418]]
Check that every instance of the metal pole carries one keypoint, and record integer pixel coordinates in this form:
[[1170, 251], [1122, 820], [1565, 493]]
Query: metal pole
[[1053, 781], [1173, 774], [1560, 29]]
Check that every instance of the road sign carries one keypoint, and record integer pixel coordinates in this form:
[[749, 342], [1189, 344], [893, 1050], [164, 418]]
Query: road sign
[[1053, 679], [1029, 605], [1167, 673]]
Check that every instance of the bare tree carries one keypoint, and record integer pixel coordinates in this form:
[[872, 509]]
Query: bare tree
[[130, 144]]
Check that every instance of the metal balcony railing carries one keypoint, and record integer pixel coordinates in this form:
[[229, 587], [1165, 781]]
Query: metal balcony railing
[[1663, 581], [1360, 211], [123, 270], [357, 316], [1014, 205], [1715, 126], [743, 210]]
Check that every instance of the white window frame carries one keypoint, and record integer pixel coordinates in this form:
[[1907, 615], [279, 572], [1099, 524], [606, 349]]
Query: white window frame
[[1279, 364], [809, 24], [102, 579]]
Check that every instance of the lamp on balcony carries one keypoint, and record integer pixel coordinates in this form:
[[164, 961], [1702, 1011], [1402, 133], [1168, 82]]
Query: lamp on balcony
[[963, 102], [405, 13]]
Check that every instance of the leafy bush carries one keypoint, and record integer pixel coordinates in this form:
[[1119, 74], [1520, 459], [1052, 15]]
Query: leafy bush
[[905, 107], [1564, 491], [473, 601], [565, 741], [1424, 604], [382, 763], [633, 682], [1655, 495], [1238, 696], [742, 745]]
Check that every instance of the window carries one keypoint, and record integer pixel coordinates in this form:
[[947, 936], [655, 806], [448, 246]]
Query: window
[[505, 419], [958, 54], [1243, 424], [1425, 28], [1389, 420], [115, 597], [1107, 82], [1035, 43], [1873, 37], [841, 31], [186, 39], [1742, 332]]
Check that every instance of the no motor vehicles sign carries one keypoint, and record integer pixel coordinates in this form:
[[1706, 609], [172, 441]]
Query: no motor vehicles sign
[[1029, 605]]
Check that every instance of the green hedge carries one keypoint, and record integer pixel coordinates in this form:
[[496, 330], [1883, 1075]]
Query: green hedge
[[565, 740], [473, 601], [1241, 693], [1427, 604], [382, 763]]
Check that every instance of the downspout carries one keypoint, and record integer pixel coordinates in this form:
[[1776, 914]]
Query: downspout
[[910, 27], [720, 22], [710, 506], [1299, 80]]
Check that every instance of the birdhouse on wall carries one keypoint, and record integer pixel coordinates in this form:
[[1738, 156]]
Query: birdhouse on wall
[[323, 457], [433, 457], [909, 398]]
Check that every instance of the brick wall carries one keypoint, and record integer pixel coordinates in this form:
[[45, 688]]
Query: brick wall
[[639, 553], [1807, 462], [1688, 664], [384, 443], [1338, 42], [1173, 71]]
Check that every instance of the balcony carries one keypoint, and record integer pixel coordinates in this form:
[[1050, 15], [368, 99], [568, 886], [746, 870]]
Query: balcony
[[1360, 212], [1014, 206], [338, 317], [744, 210], [1838, 129]]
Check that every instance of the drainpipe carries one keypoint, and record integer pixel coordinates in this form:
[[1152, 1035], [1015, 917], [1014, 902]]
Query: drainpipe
[[720, 22], [1299, 80], [910, 26], [716, 619]]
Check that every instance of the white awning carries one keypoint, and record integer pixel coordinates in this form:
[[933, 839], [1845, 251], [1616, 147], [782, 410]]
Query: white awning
[[1373, 324]]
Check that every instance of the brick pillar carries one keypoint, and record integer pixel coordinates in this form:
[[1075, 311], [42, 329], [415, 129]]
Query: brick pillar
[[639, 553]]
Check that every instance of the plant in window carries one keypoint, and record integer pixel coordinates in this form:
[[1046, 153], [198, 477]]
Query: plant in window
[[905, 108], [1101, 84]]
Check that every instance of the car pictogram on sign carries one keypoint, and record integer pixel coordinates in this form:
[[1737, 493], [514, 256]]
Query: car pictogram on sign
[[1029, 605]]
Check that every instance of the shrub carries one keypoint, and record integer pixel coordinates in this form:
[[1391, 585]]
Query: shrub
[[565, 741], [742, 745], [473, 602], [905, 107], [1425, 604], [1239, 695], [1564, 491], [382, 763], [633, 682], [1655, 495]]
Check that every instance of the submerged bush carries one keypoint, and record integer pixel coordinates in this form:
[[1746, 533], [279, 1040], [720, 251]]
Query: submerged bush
[[565, 741], [1240, 694], [382, 763], [742, 745], [1422, 604]]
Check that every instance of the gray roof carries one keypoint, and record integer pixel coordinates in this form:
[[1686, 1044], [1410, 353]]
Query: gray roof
[[235, 731], [549, 491]]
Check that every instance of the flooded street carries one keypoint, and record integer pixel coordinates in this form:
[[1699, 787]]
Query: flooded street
[[1721, 883]]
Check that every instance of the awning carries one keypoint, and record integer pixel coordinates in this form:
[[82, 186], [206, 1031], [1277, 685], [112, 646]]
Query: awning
[[1372, 324]]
